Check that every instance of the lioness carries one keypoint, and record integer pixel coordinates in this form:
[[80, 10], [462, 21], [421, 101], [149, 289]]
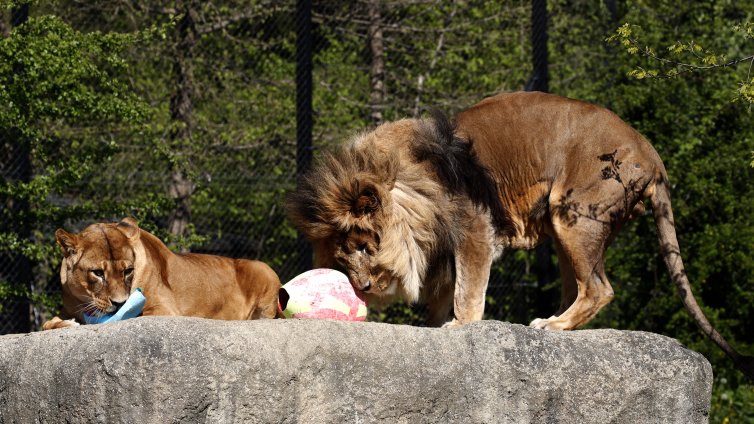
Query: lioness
[[420, 208], [104, 263]]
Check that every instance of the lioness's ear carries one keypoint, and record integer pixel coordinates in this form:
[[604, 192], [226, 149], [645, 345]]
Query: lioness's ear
[[129, 227], [67, 241], [366, 203]]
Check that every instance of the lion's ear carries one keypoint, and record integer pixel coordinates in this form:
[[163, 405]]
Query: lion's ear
[[130, 228], [366, 203], [67, 241]]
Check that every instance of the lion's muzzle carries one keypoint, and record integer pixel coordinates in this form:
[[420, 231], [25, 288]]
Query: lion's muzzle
[[361, 281]]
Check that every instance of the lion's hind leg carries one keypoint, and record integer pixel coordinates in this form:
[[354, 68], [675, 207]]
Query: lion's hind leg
[[569, 288], [580, 246]]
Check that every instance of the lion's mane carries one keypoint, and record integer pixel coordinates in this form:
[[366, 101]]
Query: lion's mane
[[422, 183]]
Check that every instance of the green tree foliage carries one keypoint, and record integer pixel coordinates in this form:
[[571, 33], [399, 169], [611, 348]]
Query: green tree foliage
[[86, 89], [62, 107], [703, 133], [237, 154]]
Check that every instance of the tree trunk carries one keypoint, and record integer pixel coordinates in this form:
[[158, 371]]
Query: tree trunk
[[181, 113], [180, 189], [433, 62], [4, 27], [377, 74]]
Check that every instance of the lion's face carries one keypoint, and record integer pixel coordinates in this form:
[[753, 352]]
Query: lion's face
[[98, 268], [355, 252], [372, 207]]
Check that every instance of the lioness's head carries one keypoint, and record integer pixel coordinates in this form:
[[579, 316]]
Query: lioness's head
[[98, 267]]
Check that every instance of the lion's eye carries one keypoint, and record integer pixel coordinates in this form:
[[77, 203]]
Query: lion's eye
[[362, 247], [128, 272], [98, 273], [339, 256]]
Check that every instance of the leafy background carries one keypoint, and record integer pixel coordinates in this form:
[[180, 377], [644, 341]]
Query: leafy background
[[94, 126]]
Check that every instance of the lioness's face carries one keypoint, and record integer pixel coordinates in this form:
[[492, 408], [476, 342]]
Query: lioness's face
[[354, 252], [98, 268]]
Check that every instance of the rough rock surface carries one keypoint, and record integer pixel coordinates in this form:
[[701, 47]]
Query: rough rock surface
[[166, 370]]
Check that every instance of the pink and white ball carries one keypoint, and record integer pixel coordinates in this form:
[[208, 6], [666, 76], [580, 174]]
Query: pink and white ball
[[324, 294]]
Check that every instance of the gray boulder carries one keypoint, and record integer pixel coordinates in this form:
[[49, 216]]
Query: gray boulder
[[169, 370]]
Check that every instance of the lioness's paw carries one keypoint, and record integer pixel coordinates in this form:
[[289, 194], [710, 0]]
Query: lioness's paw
[[454, 323], [71, 323], [56, 322]]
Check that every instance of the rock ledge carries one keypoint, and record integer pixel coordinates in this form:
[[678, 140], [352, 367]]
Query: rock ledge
[[160, 370]]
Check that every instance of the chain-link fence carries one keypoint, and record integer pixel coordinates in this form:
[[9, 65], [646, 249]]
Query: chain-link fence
[[238, 97]]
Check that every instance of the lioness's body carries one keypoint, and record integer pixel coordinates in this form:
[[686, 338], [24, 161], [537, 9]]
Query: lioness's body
[[420, 209], [174, 284]]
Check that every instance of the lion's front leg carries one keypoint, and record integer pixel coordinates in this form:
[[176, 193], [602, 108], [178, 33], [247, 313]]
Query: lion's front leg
[[440, 306], [57, 322], [473, 261]]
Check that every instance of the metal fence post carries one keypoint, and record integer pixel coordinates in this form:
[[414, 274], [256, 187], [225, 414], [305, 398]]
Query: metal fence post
[[16, 314], [304, 121], [539, 81], [540, 77]]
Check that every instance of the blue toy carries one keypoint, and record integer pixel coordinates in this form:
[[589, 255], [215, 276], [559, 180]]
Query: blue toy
[[130, 309]]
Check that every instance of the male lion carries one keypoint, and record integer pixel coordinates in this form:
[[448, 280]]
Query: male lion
[[104, 263], [420, 208]]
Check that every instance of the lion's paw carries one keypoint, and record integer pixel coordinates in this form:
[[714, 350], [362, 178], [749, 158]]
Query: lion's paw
[[454, 323], [542, 323], [538, 323]]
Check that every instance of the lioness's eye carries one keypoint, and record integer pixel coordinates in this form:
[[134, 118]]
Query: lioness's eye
[[362, 247], [128, 272], [98, 272]]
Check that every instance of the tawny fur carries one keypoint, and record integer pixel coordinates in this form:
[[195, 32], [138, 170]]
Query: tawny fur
[[127, 257], [420, 208]]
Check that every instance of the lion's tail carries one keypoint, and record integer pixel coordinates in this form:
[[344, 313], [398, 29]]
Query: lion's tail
[[671, 253]]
